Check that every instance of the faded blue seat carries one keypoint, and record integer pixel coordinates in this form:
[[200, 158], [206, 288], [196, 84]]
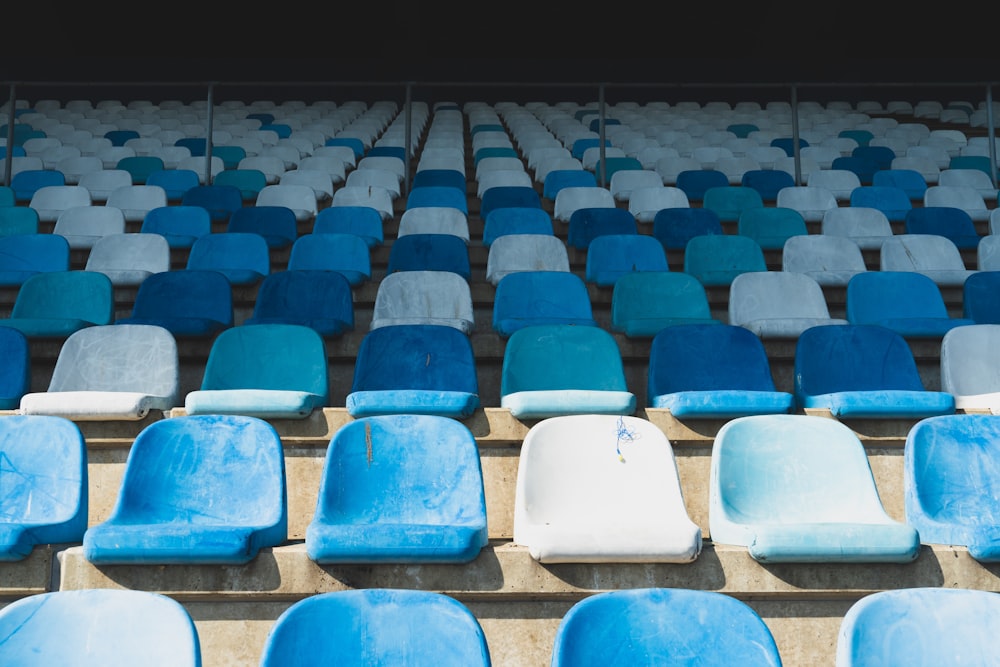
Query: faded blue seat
[[799, 489], [550, 370], [271, 371], [910, 181], [644, 302], [438, 195], [429, 252], [948, 221], [346, 253], [711, 371], [715, 259], [99, 627], [424, 297], [787, 144], [362, 221], [674, 227], [319, 299], [771, 226], [663, 626], [981, 297], [516, 220], [908, 302], [45, 497], [197, 489], [25, 255], [507, 196], [249, 181], [609, 256], [882, 156], [15, 372], [951, 479], [586, 224], [243, 257], [219, 200], [526, 298], [186, 302], [920, 626], [558, 179], [415, 369], [889, 199], [862, 371], [54, 304], [400, 489], [376, 626], [276, 224], [181, 225]]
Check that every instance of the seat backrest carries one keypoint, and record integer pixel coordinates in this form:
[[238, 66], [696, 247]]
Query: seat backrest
[[611, 255], [777, 303], [979, 297], [219, 200], [683, 618], [424, 297], [243, 257], [970, 365], [429, 252], [910, 181], [137, 200], [771, 226], [248, 181], [364, 221], [829, 259], [948, 221], [715, 259], [768, 182], [568, 174], [868, 227], [730, 201], [369, 196], [587, 223], [344, 252], [107, 627], [381, 626], [920, 252], [674, 227], [179, 224], [51, 200], [15, 220], [696, 182], [571, 198], [140, 167], [275, 223], [316, 298], [811, 201], [299, 198], [516, 220], [77, 295], [438, 195], [525, 298], [408, 487], [643, 302], [525, 252], [128, 259], [23, 255], [185, 301], [505, 196]]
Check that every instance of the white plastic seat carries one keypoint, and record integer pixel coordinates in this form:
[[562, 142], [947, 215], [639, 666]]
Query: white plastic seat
[[298, 197], [645, 202], [970, 367], [935, 256], [434, 220], [525, 252], [811, 201], [82, 226], [51, 200], [778, 304], [571, 198], [135, 201], [829, 259], [964, 197], [424, 297], [623, 182], [373, 197], [841, 182]]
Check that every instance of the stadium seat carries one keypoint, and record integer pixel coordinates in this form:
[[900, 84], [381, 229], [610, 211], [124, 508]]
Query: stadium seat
[[179, 467], [970, 367], [716, 259], [979, 180], [15, 220], [373, 197], [27, 182], [694, 183], [964, 197], [179, 224], [526, 298], [404, 488], [674, 227], [346, 253], [243, 257], [249, 182], [54, 304], [609, 256], [363, 221], [810, 201], [175, 182], [948, 221], [25, 255], [521, 196], [868, 227], [841, 182], [270, 371], [645, 203], [558, 179], [622, 182], [434, 220], [299, 198], [424, 297], [892, 201], [186, 302], [140, 167], [49, 201], [275, 223], [601, 488], [768, 182], [514, 220], [525, 252], [571, 198], [587, 223], [980, 300], [644, 302], [910, 181], [316, 298], [771, 226], [128, 259], [438, 195], [778, 304], [907, 302], [731, 201], [429, 252], [135, 201], [932, 255], [828, 259], [219, 200], [799, 489]]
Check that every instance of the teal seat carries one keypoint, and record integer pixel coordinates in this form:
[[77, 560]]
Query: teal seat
[[275, 224], [7, 197], [662, 626], [263, 370], [644, 302], [799, 489], [716, 259], [100, 627], [54, 304], [378, 627], [25, 255], [197, 489], [231, 156], [587, 223], [730, 201], [15, 373], [402, 488], [249, 181], [559, 369], [771, 226], [140, 167]]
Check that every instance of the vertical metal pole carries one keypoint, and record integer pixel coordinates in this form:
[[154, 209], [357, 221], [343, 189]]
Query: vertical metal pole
[[407, 134], [991, 133], [208, 133], [8, 163], [795, 135], [601, 167]]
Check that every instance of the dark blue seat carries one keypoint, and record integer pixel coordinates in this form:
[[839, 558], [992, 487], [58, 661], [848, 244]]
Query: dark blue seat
[[430, 252], [516, 220], [892, 201], [508, 196], [610, 256], [787, 144], [276, 224], [243, 257], [25, 183], [948, 221], [981, 297], [318, 299], [219, 200], [175, 182], [438, 195], [907, 302], [347, 254], [24, 255], [586, 224], [863, 167], [437, 177], [362, 221], [910, 181], [674, 227], [767, 182], [180, 224], [694, 182], [186, 302], [557, 179], [353, 143]]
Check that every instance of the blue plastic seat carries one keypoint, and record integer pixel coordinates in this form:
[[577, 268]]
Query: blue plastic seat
[[716, 259], [219, 200], [276, 224], [175, 182], [952, 223], [400, 489], [25, 255], [730, 201], [243, 257], [438, 195], [27, 182], [197, 145], [663, 626], [550, 370], [180, 224], [414, 369], [507, 196], [186, 302], [319, 299], [771, 226], [387, 151], [363, 221], [585, 224], [799, 489], [891, 200], [767, 182], [582, 144], [516, 220], [920, 626], [951, 476], [882, 156], [609, 256], [674, 227], [910, 181], [197, 489], [269, 371], [981, 297], [346, 253], [907, 302], [429, 252], [787, 144], [100, 627], [696, 182], [15, 372], [863, 167], [249, 181], [376, 626], [231, 156], [437, 177], [354, 143], [526, 298], [54, 304], [140, 167], [558, 179], [16, 220], [862, 371], [861, 136], [644, 302], [712, 371]]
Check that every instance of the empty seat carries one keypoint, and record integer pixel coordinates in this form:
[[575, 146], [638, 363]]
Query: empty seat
[[405, 488], [243, 257], [525, 252], [276, 224], [128, 259], [346, 253], [674, 227], [644, 302], [778, 304], [363, 221], [415, 369], [186, 302], [27, 182], [981, 297], [372, 197], [524, 196], [907, 302], [970, 367], [964, 197], [54, 304], [24, 255], [111, 372], [249, 182], [298, 198], [376, 626], [569, 199], [716, 259], [516, 220], [104, 627], [586, 224], [16, 220], [140, 167], [868, 227], [601, 488], [694, 183], [219, 200], [828, 259], [438, 195], [82, 226], [135, 201], [424, 297], [434, 220], [178, 468], [729, 202], [646, 202], [768, 182], [609, 256], [712, 371], [948, 221], [550, 370], [770, 227], [810, 201], [316, 298], [575, 176], [862, 371], [526, 298], [663, 626], [429, 252], [799, 489], [179, 224], [910, 181], [841, 182], [934, 256], [275, 370], [892, 201]]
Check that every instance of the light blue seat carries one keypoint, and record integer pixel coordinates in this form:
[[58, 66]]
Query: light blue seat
[[181, 225], [712, 371], [951, 479], [920, 627], [271, 371], [424, 297], [364, 221], [674, 227], [908, 302], [644, 302], [186, 302], [526, 298], [438, 195], [415, 369], [595, 488], [771, 226], [516, 220], [778, 304], [345, 253], [970, 367], [25, 255], [429, 252], [609, 256], [45, 498], [829, 259], [586, 224], [243, 257], [799, 489], [377, 627], [276, 224], [715, 259], [197, 489], [863, 371], [321, 300], [128, 258], [100, 627], [550, 370], [729, 202], [54, 304], [663, 626], [111, 372], [400, 489]]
